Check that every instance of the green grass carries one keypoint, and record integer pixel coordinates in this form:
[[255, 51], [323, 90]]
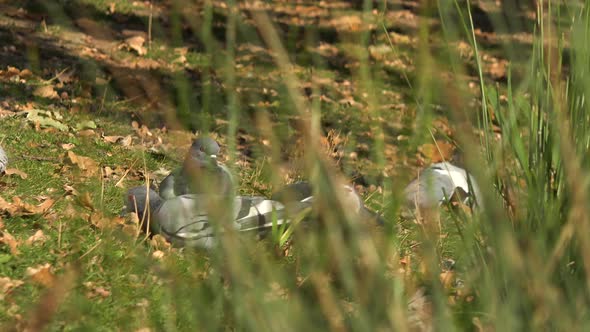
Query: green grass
[[522, 263]]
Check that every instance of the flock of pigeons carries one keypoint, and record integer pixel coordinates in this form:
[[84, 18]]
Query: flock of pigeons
[[202, 188]]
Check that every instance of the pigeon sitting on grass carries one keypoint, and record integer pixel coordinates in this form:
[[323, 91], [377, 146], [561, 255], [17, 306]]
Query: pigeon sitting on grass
[[438, 183], [200, 173], [187, 220], [3, 160]]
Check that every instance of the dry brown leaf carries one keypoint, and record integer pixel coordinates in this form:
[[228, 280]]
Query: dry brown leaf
[[7, 206], [14, 171], [68, 146], [99, 221], [46, 91], [159, 242], [437, 152], [86, 133], [112, 139], [87, 165], [70, 190], [126, 141], [38, 238], [96, 291], [112, 6], [10, 241], [131, 230], [158, 254], [41, 274], [27, 209], [447, 278], [19, 207], [7, 285], [135, 43]]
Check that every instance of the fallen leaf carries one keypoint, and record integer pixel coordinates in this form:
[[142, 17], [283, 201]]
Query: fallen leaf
[[14, 171], [19, 207], [126, 141], [7, 285], [10, 241], [158, 254], [85, 164], [41, 274], [96, 291], [135, 43], [159, 242], [437, 152], [447, 279], [27, 208], [46, 91], [70, 190], [112, 139], [86, 133], [68, 146], [99, 221], [38, 238]]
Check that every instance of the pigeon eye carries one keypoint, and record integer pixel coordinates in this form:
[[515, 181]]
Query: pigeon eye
[[202, 148]]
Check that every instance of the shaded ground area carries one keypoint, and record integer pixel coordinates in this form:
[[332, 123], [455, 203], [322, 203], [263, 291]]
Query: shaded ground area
[[172, 81]]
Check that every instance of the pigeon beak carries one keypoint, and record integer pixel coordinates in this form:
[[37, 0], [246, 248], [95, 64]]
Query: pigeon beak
[[213, 156]]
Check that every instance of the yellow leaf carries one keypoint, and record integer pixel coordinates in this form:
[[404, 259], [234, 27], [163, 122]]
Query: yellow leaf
[[10, 241], [38, 238], [135, 43], [7, 285], [46, 91], [14, 171], [87, 165]]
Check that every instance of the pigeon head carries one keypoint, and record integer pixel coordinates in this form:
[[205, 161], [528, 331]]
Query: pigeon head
[[138, 198], [203, 151]]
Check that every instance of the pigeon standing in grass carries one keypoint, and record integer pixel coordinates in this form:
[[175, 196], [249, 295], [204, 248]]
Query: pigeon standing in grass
[[200, 173], [439, 182], [3, 160], [187, 220]]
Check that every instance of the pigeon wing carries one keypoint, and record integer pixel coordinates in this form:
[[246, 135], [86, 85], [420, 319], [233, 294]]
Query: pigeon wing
[[429, 189]]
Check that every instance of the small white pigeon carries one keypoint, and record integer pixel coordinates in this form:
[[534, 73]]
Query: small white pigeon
[[439, 182], [3, 160]]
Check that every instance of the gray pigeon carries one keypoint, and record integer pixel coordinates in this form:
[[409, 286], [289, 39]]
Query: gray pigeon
[[303, 192], [200, 173], [439, 182], [3, 160], [185, 220]]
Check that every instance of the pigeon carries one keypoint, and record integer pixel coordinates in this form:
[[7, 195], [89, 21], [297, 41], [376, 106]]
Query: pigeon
[[3, 160], [439, 182], [185, 220], [303, 192], [200, 173]]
